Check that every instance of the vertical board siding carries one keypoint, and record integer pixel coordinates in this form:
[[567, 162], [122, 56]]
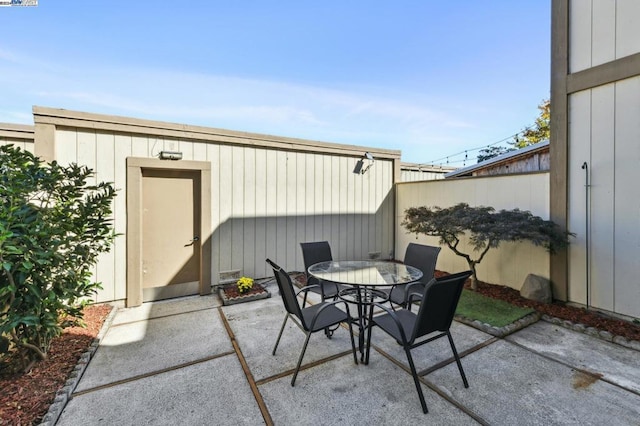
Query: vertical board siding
[[23, 144], [264, 201], [579, 130], [105, 172], [603, 36], [626, 221], [627, 32], [602, 31], [602, 194], [604, 131], [213, 155], [407, 175], [511, 262], [580, 35], [122, 150]]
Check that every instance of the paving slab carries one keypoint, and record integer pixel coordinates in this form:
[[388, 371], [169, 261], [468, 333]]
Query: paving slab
[[180, 367], [615, 363], [341, 393], [512, 385], [256, 326], [142, 347], [215, 392], [165, 308], [431, 353]]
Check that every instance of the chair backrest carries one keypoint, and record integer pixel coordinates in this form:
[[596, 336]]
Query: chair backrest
[[422, 257], [286, 290], [312, 253], [438, 305]]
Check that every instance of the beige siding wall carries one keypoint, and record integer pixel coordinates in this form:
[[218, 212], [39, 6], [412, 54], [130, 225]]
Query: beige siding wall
[[412, 172], [416, 175], [604, 132], [510, 264], [18, 135], [265, 200], [602, 31]]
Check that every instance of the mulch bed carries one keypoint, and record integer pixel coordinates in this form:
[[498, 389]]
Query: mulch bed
[[25, 397]]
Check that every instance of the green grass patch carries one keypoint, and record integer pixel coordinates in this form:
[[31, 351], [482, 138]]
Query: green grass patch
[[497, 313]]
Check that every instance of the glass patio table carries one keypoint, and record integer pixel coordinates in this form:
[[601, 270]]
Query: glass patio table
[[364, 279]]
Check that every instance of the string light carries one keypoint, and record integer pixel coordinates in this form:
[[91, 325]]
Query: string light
[[450, 159]]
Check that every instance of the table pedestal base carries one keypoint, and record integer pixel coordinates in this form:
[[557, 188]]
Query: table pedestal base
[[364, 298]]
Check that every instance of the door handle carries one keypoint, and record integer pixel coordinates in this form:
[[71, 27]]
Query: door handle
[[194, 240]]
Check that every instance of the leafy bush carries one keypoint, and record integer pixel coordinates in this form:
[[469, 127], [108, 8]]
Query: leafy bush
[[53, 225]]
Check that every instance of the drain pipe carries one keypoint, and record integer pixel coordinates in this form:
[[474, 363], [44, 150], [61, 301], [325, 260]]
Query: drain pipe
[[585, 167]]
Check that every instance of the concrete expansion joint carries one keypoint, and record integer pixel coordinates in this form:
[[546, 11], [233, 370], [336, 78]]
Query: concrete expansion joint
[[245, 368]]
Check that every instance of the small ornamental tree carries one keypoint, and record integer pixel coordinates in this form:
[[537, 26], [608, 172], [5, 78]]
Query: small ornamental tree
[[485, 228], [53, 226]]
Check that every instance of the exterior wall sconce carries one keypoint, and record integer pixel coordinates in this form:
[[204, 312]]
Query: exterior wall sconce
[[360, 169], [170, 155]]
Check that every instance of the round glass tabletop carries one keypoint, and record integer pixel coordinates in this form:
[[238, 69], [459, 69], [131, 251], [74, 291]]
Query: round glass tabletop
[[365, 272]]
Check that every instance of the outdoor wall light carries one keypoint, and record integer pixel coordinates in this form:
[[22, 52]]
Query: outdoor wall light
[[359, 169], [170, 155]]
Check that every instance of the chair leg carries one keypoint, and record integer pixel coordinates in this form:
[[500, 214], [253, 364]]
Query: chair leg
[[286, 317], [457, 357], [304, 348], [415, 378]]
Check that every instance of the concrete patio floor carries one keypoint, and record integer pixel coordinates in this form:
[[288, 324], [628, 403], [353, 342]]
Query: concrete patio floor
[[192, 361]]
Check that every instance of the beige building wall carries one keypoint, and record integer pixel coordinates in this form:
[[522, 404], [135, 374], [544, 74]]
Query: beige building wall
[[604, 133], [511, 262], [268, 193], [17, 134]]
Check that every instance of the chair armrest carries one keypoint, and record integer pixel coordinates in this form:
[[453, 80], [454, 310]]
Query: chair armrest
[[395, 319], [306, 288], [407, 292], [412, 297], [325, 306]]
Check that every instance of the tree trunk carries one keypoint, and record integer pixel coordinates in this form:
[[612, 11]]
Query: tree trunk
[[474, 277]]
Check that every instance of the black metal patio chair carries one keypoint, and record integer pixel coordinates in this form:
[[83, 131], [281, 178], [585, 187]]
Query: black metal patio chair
[[310, 319], [422, 257], [312, 253], [439, 301]]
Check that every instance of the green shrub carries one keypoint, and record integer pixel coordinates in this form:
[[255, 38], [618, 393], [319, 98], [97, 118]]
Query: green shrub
[[53, 225]]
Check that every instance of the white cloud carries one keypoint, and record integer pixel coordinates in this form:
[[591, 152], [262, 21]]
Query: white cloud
[[263, 106]]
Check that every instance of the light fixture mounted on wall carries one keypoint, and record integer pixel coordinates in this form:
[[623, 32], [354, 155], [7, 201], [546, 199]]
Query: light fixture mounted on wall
[[170, 155], [359, 169]]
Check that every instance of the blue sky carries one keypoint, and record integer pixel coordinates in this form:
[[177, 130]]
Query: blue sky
[[431, 78]]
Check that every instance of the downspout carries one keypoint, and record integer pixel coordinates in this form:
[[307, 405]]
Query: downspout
[[585, 167]]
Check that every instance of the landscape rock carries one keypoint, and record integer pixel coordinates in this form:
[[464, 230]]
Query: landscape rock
[[537, 288]]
